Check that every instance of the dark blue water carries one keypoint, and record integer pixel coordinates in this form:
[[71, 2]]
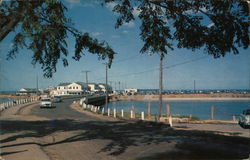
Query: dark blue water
[[223, 110], [2, 100]]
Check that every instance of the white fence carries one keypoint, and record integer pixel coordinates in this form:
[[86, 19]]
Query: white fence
[[114, 112], [16, 102]]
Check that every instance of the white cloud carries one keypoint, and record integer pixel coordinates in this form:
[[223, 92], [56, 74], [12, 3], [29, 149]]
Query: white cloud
[[96, 34], [136, 11], [125, 31], [74, 3], [115, 36], [111, 5], [129, 24]]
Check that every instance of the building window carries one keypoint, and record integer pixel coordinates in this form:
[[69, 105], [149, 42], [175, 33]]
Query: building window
[[76, 87], [58, 87], [69, 87]]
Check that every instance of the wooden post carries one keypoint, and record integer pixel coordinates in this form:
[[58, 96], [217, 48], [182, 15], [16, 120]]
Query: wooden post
[[122, 113], [149, 109], [142, 115], [190, 117], [234, 118], [108, 111], [102, 110], [167, 110], [170, 121], [114, 113], [212, 112], [133, 111], [131, 114]]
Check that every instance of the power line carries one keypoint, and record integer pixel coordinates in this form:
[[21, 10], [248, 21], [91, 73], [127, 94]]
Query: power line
[[154, 69]]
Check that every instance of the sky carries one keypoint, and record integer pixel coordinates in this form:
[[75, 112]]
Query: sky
[[130, 68]]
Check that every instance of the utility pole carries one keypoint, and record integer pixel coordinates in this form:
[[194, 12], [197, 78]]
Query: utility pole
[[86, 72], [36, 84], [194, 87], [106, 88], [119, 83], [110, 82], [160, 86]]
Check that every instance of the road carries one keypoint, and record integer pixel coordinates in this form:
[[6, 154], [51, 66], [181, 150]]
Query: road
[[61, 111], [69, 134]]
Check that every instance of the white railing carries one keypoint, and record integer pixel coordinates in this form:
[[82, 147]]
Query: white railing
[[16, 102]]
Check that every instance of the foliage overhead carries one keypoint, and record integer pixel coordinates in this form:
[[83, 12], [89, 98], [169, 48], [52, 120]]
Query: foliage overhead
[[41, 26], [218, 26]]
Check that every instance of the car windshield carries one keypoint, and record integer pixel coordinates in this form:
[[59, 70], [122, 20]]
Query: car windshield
[[47, 99]]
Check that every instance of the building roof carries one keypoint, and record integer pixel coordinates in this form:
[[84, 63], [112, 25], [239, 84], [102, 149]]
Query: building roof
[[64, 84], [29, 89], [81, 83]]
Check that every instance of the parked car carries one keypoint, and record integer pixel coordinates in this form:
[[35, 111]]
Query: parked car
[[57, 99], [46, 102], [244, 120]]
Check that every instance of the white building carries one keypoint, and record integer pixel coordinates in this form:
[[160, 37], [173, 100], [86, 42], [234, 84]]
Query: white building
[[94, 87], [27, 91], [102, 87], [75, 88], [131, 91], [78, 88]]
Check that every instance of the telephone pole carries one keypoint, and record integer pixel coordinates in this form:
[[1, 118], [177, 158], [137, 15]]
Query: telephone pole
[[160, 87], [106, 88], [194, 87], [36, 84], [86, 72], [119, 83]]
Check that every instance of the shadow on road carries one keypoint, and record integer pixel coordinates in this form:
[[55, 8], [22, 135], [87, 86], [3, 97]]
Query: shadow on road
[[190, 144]]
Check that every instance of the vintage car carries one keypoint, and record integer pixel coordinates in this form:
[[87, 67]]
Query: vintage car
[[46, 102], [244, 119]]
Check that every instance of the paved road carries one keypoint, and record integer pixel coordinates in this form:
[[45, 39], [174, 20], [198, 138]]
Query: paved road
[[61, 111]]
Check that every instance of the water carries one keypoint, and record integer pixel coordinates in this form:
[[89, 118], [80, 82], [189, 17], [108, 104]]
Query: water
[[223, 110], [2, 100]]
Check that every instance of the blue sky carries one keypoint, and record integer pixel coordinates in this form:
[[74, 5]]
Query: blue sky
[[130, 67]]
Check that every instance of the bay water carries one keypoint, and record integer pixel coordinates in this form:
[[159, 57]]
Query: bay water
[[223, 110]]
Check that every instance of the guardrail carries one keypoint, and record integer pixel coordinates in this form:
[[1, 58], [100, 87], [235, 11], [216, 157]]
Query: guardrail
[[16, 102]]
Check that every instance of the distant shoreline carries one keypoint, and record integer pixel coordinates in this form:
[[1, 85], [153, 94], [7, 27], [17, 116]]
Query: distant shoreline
[[184, 97]]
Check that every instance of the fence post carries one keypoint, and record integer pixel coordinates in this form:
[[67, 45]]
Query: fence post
[[149, 109], [102, 110], [170, 121], [234, 118], [167, 110], [212, 112], [114, 113], [142, 115], [122, 113], [133, 111], [108, 111], [131, 114]]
